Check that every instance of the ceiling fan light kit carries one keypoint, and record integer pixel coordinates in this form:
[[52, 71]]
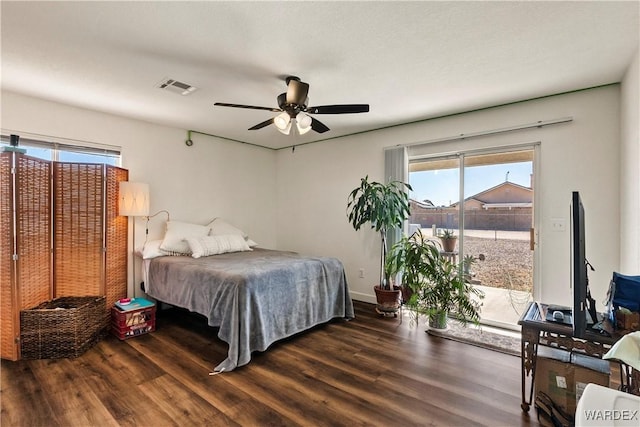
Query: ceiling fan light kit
[[303, 121], [282, 121], [293, 107]]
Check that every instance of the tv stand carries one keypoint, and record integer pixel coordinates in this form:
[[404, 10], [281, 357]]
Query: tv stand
[[567, 316], [536, 331]]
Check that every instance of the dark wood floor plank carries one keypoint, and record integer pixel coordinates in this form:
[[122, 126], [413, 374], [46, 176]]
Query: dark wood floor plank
[[340, 353], [19, 388], [69, 394], [369, 371], [292, 396], [332, 402], [180, 404], [112, 366], [189, 370], [254, 413], [192, 369]]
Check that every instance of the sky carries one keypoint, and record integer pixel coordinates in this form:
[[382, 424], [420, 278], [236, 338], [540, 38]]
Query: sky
[[69, 156], [442, 186]]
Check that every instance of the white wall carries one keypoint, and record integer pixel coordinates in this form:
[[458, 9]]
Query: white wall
[[212, 178], [297, 200], [630, 171], [315, 180]]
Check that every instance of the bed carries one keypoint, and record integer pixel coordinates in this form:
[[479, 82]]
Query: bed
[[254, 297]]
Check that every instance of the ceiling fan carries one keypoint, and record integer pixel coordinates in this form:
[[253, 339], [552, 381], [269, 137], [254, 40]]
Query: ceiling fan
[[293, 108]]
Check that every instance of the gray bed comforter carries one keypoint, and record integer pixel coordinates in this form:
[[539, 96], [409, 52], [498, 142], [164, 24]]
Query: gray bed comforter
[[256, 298]]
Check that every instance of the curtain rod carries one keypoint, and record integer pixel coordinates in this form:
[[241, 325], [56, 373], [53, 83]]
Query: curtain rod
[[538, 124]]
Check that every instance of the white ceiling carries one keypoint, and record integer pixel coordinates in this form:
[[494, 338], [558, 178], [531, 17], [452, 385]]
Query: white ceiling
[[409, 60]]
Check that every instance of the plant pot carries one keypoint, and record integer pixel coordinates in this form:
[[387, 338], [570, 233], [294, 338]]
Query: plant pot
[[449, 244], [407, 292], [438, 320], [388, 300]]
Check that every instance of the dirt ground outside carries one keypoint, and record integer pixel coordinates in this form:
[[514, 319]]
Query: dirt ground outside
[[508, 260], [508, 264]]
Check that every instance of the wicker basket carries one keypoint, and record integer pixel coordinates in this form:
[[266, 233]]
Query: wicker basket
[[63, 327]]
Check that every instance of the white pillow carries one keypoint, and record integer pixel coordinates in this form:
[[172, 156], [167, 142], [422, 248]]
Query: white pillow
[[151, 249], [219, 227], [214, 245], [175, 239]]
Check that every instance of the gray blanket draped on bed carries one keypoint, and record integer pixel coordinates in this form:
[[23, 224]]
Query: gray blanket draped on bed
[[255, 298]]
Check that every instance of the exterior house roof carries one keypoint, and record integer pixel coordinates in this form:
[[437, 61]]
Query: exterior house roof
[[426, 204], [505, 194]]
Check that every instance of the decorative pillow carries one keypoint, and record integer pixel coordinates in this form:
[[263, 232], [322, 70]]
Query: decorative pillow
[[219, 227], [150, 250], [214, 245], [626, 291], [175, 239]]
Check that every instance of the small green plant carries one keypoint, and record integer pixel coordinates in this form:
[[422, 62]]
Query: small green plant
[[445, 233], [437, 285], [468, 261], [414, 257]]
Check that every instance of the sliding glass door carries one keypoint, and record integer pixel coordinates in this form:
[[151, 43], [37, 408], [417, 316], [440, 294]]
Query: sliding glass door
[[486, 198]]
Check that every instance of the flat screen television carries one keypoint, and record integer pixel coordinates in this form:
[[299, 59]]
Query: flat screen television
[[583, 312]]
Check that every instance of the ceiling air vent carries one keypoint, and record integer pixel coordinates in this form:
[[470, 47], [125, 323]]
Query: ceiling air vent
[[175, 86]]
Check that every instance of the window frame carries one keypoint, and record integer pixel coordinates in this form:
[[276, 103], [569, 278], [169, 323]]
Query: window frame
[[69, 146]]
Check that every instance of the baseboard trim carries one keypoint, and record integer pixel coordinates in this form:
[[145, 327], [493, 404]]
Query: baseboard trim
[[359, 296]]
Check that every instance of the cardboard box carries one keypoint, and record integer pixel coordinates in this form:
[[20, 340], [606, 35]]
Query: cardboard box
[[563, 376], [628, 321]]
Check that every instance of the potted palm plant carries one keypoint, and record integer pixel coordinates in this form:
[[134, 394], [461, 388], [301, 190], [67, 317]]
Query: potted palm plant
[[383, 207], [438, 286], [413, 258]]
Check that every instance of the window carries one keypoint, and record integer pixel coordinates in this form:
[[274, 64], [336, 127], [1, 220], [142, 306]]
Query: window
[[67, 152], [493, 221]]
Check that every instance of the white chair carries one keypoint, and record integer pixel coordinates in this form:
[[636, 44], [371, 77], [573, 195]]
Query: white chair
[[601, 406]]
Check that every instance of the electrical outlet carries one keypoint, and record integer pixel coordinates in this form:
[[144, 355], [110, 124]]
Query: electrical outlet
[[361, 275], [557, 224]]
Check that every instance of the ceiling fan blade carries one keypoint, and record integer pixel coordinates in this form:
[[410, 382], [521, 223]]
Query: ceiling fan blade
[[297, 92], [339, 109], [262, 124], [318, 126], [250, 107]]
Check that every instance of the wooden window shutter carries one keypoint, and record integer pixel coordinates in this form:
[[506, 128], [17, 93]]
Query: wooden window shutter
[[116, 237], [26, 280], [33, 211], [78, 233], [8, 299]]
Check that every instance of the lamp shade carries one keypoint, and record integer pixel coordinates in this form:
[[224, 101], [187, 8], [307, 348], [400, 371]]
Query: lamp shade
[[134, 199]]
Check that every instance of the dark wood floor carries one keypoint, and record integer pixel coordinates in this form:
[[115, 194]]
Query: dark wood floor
[[369, 371]]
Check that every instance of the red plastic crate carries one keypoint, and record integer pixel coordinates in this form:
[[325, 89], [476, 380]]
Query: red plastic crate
[[130, 318], [126, 332]]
